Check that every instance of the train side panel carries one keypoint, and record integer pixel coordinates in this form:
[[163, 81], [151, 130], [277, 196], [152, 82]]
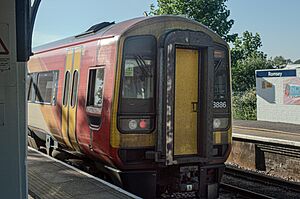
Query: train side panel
[[93, 118], [44, 116]]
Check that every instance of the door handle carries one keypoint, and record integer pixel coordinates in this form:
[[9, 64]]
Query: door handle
[[194, 106]]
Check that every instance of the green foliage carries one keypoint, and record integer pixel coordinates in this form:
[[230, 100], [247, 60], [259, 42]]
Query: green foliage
[[246, 58], [212, 13], [246, 46], [280, 61], [243, 72], [244, 105], [297, 61]]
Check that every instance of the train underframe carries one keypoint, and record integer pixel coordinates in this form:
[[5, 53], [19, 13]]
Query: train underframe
[[190, 180]]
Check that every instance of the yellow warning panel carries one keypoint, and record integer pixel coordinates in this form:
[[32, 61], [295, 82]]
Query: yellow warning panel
[[186, 102]]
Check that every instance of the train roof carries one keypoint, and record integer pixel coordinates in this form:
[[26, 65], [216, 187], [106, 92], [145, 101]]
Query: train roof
[[109, 30]]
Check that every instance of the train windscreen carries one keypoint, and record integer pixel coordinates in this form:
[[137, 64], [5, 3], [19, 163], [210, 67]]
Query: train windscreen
[[138, 75]]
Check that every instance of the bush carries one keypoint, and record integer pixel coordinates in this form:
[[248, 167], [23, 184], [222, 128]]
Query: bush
[[244, 105]]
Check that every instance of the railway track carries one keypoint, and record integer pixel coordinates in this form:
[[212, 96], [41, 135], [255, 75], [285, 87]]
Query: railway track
[[266, 186], [243, 193], [263, 178]]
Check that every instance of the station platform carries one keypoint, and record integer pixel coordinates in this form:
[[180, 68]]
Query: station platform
[[49, 178], [271, 132]]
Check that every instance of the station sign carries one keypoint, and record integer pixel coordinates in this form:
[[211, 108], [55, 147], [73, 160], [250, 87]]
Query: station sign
[[276, 73]]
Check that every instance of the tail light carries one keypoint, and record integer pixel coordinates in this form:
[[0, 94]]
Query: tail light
[[136, 125]]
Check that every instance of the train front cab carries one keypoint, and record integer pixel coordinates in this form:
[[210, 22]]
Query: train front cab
[[173, 109]]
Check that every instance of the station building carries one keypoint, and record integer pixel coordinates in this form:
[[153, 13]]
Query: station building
[[278, 94]]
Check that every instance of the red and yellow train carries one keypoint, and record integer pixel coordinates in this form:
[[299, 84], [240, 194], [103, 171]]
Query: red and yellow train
[[148, 99]]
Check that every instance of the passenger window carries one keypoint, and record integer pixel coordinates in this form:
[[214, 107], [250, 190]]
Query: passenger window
[[66, 88], [46, 87], [95, 92], [74, 89]]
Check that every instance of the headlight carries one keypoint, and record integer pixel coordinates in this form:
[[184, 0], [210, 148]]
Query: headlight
[[132, 124], [220, 123]]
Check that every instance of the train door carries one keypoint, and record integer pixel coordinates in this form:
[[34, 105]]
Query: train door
[[69, 99], [187, 66], [186, 101]]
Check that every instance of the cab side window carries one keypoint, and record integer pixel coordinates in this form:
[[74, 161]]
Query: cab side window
[[95, 88]]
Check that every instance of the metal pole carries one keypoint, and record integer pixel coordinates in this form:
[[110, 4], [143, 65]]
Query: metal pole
[[16, 24], [13, 180]]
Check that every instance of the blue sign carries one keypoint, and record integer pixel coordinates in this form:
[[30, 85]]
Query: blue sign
[[276, 73]]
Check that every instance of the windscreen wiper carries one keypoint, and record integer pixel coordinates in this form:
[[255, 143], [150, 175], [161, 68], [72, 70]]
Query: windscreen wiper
[[142, 65], [218, 65], [145, 66]]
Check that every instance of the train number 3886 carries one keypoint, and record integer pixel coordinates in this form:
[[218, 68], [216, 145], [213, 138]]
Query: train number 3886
[[220, 105]]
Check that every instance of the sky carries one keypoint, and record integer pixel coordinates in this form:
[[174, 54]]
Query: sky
[[275, 20]]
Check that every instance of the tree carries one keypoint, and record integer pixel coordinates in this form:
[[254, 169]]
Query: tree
[[246, 46], [212, 13], [246, 58], [280, 61], [243, 72]]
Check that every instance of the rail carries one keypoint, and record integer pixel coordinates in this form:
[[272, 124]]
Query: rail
[[262, 179], [243, 192]]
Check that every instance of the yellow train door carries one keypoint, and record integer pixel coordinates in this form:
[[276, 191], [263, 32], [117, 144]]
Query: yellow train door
[[186, 102]]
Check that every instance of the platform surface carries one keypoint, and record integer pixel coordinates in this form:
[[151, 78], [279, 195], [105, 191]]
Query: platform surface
[[49, 178], [272, 132]]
